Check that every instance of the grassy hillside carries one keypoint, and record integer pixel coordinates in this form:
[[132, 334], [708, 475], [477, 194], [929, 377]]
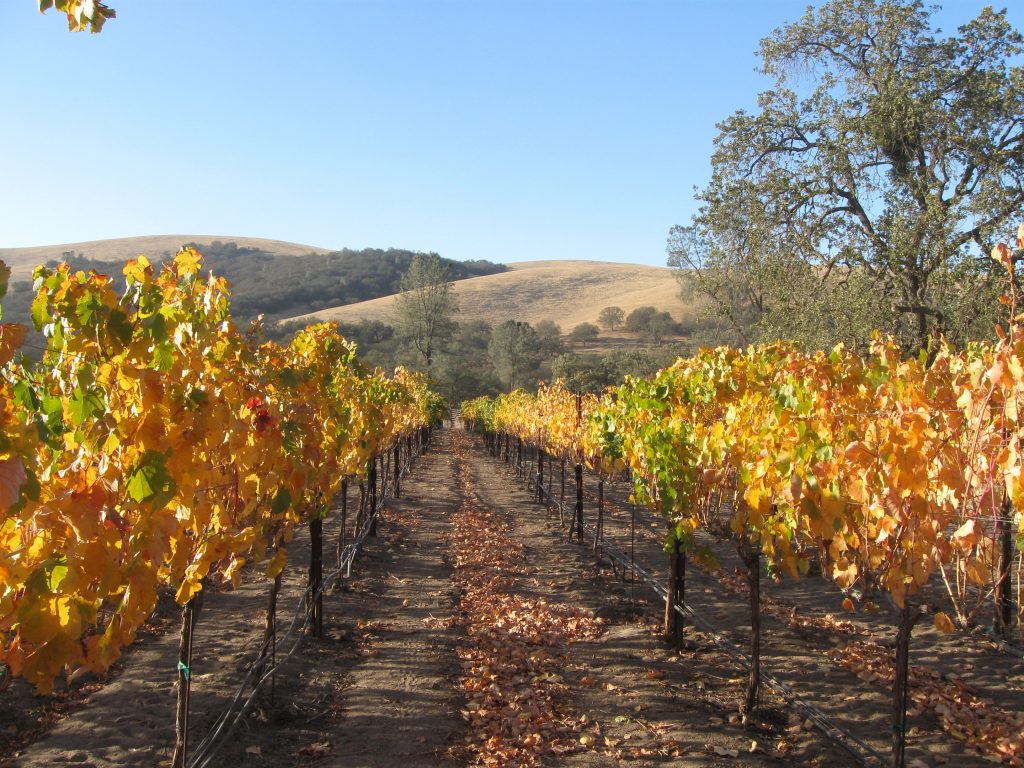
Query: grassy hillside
[[267, 277], [565, 292], [23, 260]]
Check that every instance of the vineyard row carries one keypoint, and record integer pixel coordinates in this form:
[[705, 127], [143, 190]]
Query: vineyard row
[[156, 445], [881, 469]]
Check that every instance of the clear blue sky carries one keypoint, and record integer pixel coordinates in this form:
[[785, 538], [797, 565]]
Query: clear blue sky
[[504, 129]]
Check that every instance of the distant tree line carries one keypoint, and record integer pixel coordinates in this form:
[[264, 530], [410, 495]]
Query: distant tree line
[[277, 286]]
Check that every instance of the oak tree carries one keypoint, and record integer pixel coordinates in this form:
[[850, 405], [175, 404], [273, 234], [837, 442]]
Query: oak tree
[[871, 182]]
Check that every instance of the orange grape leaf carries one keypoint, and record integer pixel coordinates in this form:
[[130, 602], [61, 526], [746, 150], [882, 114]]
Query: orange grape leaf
[[12, 336], [943, 623], [12, 477]]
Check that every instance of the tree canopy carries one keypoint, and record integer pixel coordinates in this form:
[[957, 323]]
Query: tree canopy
[[870, 196], [425, 309], [515, 351]]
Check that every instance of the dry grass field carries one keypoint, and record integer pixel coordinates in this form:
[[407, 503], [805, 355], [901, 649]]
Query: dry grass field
[[23, 260], [566, 292]]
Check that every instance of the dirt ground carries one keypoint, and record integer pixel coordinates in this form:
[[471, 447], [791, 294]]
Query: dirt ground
[[390, 681], [806, 632]]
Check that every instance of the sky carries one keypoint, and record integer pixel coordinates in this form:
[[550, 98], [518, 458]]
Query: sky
[[508, 130]]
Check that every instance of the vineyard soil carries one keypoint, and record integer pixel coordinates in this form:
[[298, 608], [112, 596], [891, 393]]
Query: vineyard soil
[[385, 685]]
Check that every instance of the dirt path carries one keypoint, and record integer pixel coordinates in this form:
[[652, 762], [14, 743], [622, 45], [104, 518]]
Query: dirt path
[[632, 701], [376, 690]]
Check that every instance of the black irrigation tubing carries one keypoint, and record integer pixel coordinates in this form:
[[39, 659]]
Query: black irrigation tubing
[[857, 748], [226, 723]]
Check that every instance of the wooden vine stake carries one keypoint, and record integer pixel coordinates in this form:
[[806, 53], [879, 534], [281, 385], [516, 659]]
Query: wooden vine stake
[[561, 498], [540, 474], [373, 496], [316, 575], [340, 549], [751, 556], [1004, 586], [673, 625], [189, 614], [901, 683], [268, 652], [578, 515], [398, 469], [599, 528]]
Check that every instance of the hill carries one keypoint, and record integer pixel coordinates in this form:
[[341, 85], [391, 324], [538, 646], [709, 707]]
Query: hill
[[23, 260], [565, 292], [268, 277]]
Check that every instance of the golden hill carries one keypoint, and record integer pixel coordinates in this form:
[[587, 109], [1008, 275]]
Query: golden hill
[[23, 260], [566, 292]]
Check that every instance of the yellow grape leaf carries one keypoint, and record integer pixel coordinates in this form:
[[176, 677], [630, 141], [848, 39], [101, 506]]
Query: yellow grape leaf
[[965, 536], [845, 572], [1001, 253], [43, 664], [277, 563], [38, 622], [136, 270], [189, 261], [943, 623], [188, 589], [848, 605]]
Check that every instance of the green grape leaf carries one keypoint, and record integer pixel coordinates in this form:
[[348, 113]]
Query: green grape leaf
[[149, 480], [119, 326], [282, 500], [85, 404]]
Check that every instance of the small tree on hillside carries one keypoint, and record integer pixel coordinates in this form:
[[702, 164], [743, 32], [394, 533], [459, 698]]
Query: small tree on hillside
[[549, 336], [611, 318], [425, 309], [584, 332], [640, 318], [515, 352]]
